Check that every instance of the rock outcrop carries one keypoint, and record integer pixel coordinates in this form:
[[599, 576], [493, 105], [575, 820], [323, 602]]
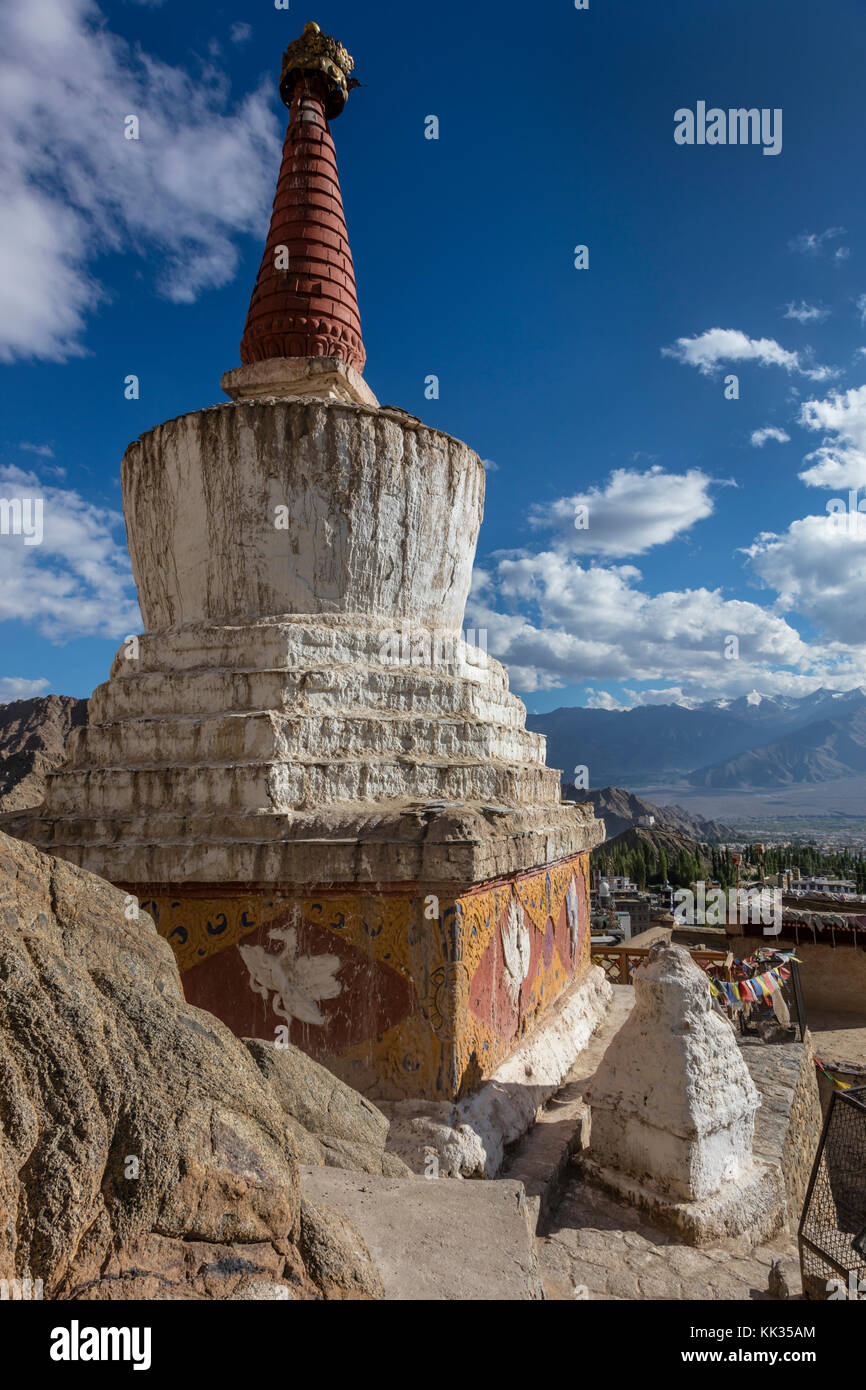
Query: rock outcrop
[[142, 1153], [332, 1124]]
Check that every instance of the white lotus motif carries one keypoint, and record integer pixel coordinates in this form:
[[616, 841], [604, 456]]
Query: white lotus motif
[[296, 982], [516, 949], [572, 915]]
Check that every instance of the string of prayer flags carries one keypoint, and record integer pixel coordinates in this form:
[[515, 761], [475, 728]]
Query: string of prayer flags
[[751, 991], [843, 1085]]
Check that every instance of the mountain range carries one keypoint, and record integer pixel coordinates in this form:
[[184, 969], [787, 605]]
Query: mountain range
[[622, 811], [751, 742], [32, 738], [754, 742]]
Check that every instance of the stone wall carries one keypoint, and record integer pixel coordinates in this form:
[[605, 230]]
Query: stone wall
[[788, 1124]]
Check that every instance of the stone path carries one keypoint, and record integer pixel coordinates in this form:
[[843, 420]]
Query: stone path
[[439, 1239], [599, 1250], [541, 1159]]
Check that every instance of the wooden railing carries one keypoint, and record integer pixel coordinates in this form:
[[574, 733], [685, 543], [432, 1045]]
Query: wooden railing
[[618, 962]]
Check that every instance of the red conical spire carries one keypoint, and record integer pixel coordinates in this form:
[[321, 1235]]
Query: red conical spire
[[304, 303]]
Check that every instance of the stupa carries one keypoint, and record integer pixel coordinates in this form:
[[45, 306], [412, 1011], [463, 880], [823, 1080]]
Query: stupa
[[673, 1112], [323, 793]]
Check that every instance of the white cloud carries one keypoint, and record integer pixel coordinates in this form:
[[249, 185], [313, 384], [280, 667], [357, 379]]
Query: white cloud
[[840, 461], [597, 624], [602, 699], [633, 699], [43, 297], [200, 176], [861, 309], [78, 582], [672, 695], [760, 437], [815, 243], [818, 569], [806, 313], [44, 451], [634, 511], [709, 350], [489, 466], [19, 688], [481, 582], [240, 31]]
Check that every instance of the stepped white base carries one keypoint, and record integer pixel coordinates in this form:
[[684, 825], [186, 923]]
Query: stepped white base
[[306, 749]]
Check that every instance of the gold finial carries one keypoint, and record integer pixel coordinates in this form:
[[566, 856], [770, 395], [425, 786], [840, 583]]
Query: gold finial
[[319, 55]]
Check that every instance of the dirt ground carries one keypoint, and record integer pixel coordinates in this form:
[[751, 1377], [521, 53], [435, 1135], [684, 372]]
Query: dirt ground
[[839, 1037]]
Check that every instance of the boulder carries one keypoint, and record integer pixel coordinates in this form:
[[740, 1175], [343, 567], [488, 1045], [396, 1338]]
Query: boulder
[[142, 1152], [335, 1254], [332, 1124]]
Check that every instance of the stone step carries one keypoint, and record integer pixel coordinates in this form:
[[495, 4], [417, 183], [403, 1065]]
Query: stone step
[[271, 737], [392, 823], [283, 786], [300, 643], [542, 1158], [437, 1239], [348, 690]]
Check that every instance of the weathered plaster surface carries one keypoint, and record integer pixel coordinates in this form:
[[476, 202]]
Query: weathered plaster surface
[[403, 992], [767, 1196], [306, 749], [383, 516], [284, 378]]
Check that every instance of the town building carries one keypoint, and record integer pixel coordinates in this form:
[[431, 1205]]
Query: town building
[[638, 909], [843, 887]]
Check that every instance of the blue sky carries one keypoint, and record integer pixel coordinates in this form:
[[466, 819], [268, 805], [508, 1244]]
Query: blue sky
[[602, 387]]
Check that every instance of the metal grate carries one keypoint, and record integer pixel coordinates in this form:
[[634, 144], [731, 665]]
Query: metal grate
[[832, 1233]]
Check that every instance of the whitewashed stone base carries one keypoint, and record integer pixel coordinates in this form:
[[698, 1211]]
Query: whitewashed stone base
[[752, 1204], [468, 1139], [303, 707], [285, 378]]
